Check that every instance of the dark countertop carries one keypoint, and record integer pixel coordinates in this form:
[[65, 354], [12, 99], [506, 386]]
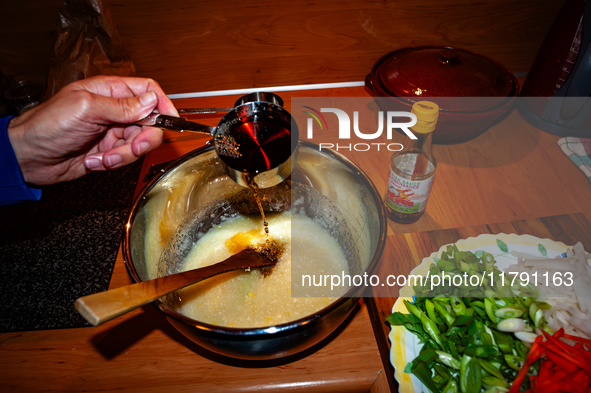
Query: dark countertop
[[61, 247]]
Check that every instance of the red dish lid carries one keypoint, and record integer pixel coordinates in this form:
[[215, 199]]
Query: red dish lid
[[432, 71]]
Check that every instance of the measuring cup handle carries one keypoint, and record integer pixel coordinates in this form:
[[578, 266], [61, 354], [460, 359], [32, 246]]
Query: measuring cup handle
[[174, 123]]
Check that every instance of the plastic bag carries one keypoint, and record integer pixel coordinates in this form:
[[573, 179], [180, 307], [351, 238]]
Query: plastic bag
[[87, 43]]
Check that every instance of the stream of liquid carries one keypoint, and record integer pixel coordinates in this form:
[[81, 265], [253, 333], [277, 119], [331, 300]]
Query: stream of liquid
[[271, 250], [258, 200]]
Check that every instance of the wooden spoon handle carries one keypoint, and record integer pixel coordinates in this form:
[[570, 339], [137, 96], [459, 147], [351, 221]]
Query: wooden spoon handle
[[104, 306]]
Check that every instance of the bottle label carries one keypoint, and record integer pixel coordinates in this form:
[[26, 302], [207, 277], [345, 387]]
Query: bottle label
[[407, 196]]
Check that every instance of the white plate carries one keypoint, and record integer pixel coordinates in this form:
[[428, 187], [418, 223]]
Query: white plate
[[405, 345]]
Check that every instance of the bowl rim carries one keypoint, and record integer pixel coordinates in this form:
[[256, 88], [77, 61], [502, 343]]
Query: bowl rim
[[354, 292]]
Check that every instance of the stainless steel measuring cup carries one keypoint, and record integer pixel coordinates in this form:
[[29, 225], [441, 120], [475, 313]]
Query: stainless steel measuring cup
[[256, 141]]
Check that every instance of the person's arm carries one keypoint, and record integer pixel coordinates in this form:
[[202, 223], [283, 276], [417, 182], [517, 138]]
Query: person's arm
[[13, 188], [85, 127]]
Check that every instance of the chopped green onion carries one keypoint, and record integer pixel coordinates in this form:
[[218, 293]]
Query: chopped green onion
[[489, 307], [511, 325], [449, 320], [470, 375], [515, 362], [458, 306], [508, 312], [448, 360], [526, 337], [451, 387]]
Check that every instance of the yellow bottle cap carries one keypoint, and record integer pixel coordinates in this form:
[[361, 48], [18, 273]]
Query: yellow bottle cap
[[427, 114]]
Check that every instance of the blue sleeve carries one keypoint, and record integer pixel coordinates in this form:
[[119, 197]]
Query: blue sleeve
[[12, 184]]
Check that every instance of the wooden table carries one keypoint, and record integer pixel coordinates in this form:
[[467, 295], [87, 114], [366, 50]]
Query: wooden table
[[513, 174]]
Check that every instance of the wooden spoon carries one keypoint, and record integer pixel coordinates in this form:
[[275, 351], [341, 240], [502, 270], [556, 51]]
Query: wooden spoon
[[104, 306]]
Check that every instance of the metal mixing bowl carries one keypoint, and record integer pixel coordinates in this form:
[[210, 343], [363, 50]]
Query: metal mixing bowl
[[194, 194]]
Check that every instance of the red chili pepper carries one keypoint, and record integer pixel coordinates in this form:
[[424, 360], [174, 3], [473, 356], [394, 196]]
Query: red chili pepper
[[577, 338], [561, 362], [545, 370], [571, 359], [561, 348], [566, 368], [535, 352], [579, 380], [554, 381], [557, 334], [579, 345], [532, 383]]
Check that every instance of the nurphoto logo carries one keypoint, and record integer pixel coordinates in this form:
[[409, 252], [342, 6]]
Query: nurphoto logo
[[392, 122]]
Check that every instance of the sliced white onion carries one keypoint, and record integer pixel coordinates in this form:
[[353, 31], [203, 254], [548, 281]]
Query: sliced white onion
[[583, 294], [582, 325], [570, 299]]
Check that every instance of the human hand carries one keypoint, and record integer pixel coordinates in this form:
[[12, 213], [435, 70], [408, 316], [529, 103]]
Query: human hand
[[85, 127]]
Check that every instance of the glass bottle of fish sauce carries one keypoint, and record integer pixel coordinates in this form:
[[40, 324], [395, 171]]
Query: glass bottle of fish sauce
[[412, 169]]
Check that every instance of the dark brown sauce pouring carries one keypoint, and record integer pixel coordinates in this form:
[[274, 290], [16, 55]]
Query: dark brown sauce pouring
[[271, 250]]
